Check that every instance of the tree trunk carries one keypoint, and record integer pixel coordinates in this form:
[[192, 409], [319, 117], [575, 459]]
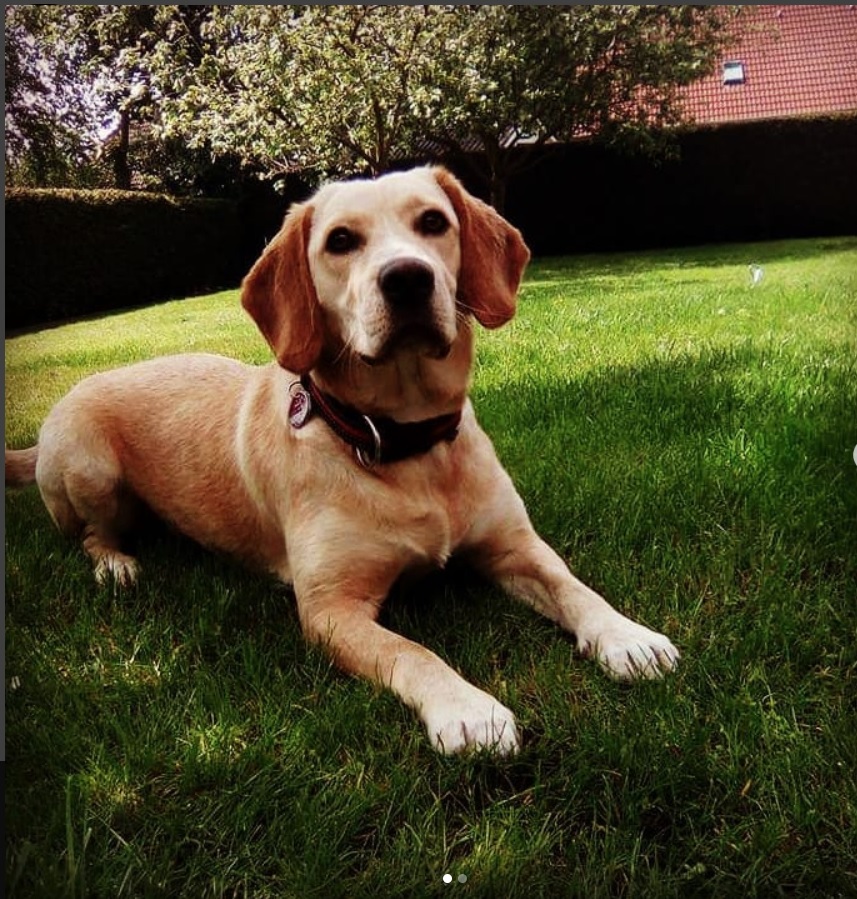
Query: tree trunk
[[121, 167], [497, 196], [497, 175]]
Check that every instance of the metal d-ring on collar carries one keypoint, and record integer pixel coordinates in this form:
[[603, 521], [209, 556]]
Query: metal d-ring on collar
[[362, 457]]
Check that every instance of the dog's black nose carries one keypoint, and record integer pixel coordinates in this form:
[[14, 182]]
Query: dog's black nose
[[406, 281]]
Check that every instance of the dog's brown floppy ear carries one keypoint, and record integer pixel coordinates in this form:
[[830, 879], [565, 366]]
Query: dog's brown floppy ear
[[493, 256], [280, 296]]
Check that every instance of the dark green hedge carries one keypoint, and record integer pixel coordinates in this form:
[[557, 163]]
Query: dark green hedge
[[738, 182], [72, 253]]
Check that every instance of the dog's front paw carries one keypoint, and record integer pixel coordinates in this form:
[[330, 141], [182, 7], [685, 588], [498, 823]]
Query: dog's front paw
[[473, 722], [628, 651]]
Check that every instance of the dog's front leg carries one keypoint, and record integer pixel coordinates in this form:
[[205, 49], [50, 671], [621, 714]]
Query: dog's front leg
[[456, 715], [520, 561]]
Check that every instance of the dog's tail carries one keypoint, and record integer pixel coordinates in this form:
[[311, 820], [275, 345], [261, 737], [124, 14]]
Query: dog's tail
[[21, 466]]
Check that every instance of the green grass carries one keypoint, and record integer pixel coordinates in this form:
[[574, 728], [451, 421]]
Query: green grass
[[683, 439]]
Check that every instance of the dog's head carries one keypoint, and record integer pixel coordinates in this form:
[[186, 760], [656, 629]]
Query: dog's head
[[378, 269]]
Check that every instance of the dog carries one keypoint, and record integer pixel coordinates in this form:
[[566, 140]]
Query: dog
[[353, 459]]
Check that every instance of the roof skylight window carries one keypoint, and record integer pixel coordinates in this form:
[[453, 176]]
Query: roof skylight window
[[733, 72]]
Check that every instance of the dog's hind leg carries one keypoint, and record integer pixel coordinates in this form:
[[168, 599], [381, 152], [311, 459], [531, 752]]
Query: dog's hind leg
[[83, 489], [108, 559]]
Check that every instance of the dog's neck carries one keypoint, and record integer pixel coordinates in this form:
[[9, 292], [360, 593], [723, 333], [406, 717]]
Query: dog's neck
[[406, 387]]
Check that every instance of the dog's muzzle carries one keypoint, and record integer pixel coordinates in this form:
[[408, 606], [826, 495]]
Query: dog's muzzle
[[407, 286]]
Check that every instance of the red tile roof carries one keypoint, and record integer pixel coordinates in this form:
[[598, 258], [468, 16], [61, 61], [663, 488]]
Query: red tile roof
[[798, 60]]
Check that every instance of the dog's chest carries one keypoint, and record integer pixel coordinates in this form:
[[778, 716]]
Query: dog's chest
[[421, 517]]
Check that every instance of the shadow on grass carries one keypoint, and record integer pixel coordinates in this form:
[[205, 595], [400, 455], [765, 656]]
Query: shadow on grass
[[720, 486]]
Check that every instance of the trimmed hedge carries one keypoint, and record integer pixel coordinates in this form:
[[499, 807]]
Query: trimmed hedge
[[73, 253], [738, 182]]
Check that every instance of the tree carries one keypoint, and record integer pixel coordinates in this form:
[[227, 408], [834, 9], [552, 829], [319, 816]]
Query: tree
[[520, 77], [127, 45], [332, 88], [318, 88], [49, 113], [78, 83]]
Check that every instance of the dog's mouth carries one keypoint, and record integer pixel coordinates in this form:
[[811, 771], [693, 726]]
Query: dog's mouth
[[417, 337]]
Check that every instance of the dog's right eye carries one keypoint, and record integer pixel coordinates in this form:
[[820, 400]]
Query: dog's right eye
[[341, 241]]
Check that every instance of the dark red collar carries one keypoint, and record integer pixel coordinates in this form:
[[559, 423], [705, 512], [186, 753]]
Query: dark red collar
[[374, 440]]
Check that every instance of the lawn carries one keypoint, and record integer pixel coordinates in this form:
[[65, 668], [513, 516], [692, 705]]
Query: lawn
[[683, 438]]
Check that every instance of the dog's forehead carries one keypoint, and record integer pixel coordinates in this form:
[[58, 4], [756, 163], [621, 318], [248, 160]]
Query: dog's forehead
[[396, 193]]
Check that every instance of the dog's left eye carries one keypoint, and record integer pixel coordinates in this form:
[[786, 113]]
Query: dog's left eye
[[432, 221]]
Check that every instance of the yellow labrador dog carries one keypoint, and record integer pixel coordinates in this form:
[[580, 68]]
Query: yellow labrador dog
[[355, 458]]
